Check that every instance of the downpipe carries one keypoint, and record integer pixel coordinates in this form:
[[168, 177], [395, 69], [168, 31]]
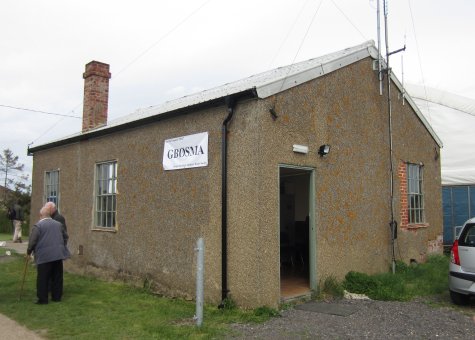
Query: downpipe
[[229, 101]]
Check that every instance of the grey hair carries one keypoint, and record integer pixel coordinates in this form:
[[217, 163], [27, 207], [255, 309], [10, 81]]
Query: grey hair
[[45, 212], [51, 206]]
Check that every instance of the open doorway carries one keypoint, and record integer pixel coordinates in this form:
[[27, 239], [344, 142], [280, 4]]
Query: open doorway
[[295, 231]]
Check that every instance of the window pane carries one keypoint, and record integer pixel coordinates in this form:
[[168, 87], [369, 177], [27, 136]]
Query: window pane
[[51, 187], [415, 196], [105, 194]]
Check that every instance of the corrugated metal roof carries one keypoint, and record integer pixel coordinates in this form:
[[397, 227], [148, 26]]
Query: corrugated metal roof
[[266, 83], [263, 84]]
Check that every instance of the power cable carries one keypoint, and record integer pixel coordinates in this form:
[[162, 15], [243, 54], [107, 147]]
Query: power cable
[[288, 33], [125, 67], [347, 18], [298, 51], [47, 130], [306, 33], [174, 28], [419, 59], [38, 111]]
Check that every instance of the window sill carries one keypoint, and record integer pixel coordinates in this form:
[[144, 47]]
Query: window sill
[[416, 226], [106, 229]]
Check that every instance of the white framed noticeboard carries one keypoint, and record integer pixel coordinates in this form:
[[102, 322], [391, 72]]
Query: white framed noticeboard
[[186, 152]]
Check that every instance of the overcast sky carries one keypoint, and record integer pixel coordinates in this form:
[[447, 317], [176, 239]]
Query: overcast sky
[[161, 50]]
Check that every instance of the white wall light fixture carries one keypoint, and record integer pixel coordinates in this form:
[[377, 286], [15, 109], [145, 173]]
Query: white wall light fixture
[[300, 148]]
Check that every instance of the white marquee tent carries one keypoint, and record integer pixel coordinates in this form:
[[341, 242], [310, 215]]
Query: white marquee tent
[[453, 119]]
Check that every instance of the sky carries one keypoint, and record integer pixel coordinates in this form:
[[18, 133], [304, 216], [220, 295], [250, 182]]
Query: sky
[[163, 50]]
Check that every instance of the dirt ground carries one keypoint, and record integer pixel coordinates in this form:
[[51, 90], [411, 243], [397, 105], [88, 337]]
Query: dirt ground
[[368, 320]]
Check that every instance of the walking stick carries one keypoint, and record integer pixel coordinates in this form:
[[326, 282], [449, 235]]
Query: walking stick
[[27, 258]]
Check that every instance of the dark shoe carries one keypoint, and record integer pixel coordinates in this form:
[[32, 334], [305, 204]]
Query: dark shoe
[[41, 302], [56, 300]]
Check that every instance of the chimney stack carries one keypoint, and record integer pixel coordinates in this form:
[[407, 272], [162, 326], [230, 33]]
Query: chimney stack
[[96, 95]]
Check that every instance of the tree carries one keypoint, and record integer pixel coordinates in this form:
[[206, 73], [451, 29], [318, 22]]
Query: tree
[[17, 189], [14, 178]]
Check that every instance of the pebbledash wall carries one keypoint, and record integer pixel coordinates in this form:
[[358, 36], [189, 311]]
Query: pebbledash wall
[[161, 214]]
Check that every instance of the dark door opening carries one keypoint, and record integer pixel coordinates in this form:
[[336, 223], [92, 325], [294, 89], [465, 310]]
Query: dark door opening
[[294, 232]]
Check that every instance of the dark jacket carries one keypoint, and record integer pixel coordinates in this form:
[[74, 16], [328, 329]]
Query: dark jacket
[[58, 217], [48, 241], [18, 212]]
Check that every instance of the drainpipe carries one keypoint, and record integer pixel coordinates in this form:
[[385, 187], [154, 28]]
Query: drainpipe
[[224, 198]]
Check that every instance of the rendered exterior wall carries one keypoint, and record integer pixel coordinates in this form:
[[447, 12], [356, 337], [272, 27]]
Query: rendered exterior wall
[[343, 109], [161, 214]]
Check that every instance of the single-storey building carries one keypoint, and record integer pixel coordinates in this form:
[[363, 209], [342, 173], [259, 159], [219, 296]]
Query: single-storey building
[[286, 175]]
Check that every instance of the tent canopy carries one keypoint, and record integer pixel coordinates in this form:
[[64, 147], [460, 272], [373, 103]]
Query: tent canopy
[[453, 119]]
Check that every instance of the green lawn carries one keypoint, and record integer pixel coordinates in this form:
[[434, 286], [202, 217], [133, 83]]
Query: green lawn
[[97, 309], [94, 309], [5, 237]]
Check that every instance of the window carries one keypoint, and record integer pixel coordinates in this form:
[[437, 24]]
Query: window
[[106, 192], [415, 197], [467, 238], [52, 187]]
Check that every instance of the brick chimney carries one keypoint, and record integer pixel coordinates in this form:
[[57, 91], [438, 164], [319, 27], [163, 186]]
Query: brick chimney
[[96, 95]]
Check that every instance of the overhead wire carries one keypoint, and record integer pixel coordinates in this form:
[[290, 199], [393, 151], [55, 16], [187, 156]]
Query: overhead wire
[[38, 111], [47, 130], [174, 28], [288, 33], [348, 19], [305, 37], [306, 33], [298, 51], [419, 60]]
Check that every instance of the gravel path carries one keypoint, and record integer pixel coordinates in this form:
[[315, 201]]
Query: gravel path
[[372, 320]]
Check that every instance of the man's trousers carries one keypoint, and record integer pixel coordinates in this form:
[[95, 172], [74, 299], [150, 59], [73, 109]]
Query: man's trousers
[[50, 276]]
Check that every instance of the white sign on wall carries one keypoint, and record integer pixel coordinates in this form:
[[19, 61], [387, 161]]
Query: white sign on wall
[[186, 152]]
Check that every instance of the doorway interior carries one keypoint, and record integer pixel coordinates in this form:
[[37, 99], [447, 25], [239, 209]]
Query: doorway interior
[[295, 231]]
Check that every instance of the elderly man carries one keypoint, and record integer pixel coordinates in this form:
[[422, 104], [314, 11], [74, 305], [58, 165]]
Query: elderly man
[[55, 215], [48, 243]]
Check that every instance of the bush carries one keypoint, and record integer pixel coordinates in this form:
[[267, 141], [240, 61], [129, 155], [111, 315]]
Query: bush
[[408, 282], [5, 224], [391, 287], [401, 267], [360, 283], [330, 288], [228, 304], [266, 311]]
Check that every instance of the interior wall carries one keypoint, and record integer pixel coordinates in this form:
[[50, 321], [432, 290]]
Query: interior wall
[[297, 186]]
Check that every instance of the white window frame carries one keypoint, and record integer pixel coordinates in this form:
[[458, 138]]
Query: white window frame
[[51, 187], [415, 193], [105, 195]]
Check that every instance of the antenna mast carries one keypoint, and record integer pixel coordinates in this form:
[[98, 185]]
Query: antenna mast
[[380, 74], [392, 223]]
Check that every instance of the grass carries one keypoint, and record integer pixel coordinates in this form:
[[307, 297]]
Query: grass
[[97, 309], [5, 237], [92, 308], [430, 278], [329, 288]]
